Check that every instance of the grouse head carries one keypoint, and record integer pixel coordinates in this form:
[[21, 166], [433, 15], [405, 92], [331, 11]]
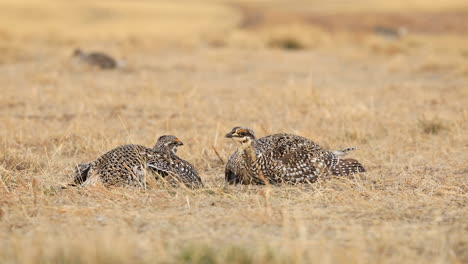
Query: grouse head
[[244, 136], [168, 143]]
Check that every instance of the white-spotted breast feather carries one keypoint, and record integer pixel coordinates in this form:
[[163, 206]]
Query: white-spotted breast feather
[[282, 158]]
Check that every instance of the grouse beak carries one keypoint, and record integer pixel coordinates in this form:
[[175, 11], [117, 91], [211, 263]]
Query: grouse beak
[[229, 135]]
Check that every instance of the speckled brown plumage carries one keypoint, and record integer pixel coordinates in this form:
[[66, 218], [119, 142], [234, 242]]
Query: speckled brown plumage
[[174, 169], [129, 164], [283, 158]]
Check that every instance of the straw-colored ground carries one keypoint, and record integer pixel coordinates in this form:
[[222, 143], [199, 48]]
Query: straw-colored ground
[[195, 70]]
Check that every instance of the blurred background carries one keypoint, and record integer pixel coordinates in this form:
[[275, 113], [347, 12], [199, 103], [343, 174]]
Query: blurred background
[[120, 25]]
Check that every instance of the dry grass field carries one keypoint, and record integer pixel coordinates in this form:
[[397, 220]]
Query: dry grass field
[[196, 69]]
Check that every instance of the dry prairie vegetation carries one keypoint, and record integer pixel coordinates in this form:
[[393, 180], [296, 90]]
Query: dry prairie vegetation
[[195, 70]]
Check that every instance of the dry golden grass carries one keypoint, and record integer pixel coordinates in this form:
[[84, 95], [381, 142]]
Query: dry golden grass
[[402, 103]]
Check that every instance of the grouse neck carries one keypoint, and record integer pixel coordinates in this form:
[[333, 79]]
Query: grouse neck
[[249, 151], [82, 55], [160, 148], [245, 143]]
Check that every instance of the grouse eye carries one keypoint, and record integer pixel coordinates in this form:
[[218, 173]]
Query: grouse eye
[[242, 132]]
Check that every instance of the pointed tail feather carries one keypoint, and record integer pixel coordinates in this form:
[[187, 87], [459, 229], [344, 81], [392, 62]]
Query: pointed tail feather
[[343, 151], [347, 167]]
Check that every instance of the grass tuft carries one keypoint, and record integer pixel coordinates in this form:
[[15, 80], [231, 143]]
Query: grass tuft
[[198, 255], [431, 127], [287, 43], [205, 254]]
